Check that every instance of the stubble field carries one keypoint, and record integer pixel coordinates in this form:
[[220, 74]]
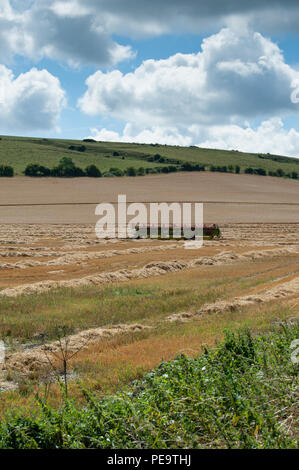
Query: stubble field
[[126, 305]]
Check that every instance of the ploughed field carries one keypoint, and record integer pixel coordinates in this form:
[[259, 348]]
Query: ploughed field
[[227, 198], [126, 305]]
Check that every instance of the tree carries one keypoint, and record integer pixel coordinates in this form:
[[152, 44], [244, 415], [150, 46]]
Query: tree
[[116, 172], [34, 170], [260, 171], [67, 168], [6, 171], [131, 171], [279, 173], [92, 171], [141, 171]]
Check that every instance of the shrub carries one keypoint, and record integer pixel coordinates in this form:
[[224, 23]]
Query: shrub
[[279, 173], [78, 148], [115, 154], [141, 171], [34, 169], [92, 171], [237, 169], [260, 171], [7, 171], [116, 172], [172, 169], [67, 169], [249, 171], [131, 171], [294, 175]]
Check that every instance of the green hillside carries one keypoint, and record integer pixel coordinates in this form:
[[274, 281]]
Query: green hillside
[[18, 152]]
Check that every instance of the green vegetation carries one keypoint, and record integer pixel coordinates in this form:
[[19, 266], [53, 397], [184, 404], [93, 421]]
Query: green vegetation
[[241, 394], [6, 171], [19, 152]]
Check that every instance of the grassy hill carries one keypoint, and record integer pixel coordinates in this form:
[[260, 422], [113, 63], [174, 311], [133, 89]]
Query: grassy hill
[[20, 151]]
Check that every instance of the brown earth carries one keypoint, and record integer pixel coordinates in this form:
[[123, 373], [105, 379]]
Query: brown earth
[[227, 198]]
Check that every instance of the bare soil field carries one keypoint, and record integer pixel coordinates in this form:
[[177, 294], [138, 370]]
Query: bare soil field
[[227, 198]]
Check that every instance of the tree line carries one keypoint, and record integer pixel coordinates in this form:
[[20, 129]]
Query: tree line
[[66, 168]]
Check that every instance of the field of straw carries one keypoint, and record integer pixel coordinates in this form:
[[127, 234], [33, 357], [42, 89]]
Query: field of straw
[[116, 308], [123, 306]]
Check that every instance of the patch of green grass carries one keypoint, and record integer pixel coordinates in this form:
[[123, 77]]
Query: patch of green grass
[[24, 317], [20, 151], [241, 394]]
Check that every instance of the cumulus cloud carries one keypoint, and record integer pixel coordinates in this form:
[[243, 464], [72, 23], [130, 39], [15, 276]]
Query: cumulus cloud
[[81, 31], [132, 133], [65, 31], [144, 18], [235, 76], [31, 101], [270, 136]]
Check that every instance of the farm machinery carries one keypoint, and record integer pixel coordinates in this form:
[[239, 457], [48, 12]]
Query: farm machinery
[[209, 231]]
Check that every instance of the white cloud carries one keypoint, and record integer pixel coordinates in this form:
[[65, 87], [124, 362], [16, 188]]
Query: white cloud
[[144, 18], [81, 31], [131, 133], [31, 101], [66, 31], [271, 136], [235, 76]]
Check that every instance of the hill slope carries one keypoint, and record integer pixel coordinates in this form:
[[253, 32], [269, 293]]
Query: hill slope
[[20, 151]]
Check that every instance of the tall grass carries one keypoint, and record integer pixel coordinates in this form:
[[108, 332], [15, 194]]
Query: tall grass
[[241, 394]]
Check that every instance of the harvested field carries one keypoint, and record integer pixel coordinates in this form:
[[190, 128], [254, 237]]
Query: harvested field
[[127, 304]]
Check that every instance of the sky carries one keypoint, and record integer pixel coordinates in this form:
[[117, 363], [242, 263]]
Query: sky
[[217, 74]]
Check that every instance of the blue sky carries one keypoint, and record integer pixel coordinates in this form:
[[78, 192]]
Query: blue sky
[[217, 75]]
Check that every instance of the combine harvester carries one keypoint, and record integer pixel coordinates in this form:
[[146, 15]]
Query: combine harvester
[[210, 231]]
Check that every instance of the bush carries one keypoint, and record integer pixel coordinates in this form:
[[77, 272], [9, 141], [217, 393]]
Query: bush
[[78, 148], [131, 171], [34, 170], [92, 171], [67, 169], [6, 171], [249, 171], [141, 171], [279, 173], [294, 175], [116, 172], [172, 169], [260, 171], [237, 169]]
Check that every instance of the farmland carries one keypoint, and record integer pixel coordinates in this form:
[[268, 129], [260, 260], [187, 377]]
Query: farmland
[[125, 306]]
